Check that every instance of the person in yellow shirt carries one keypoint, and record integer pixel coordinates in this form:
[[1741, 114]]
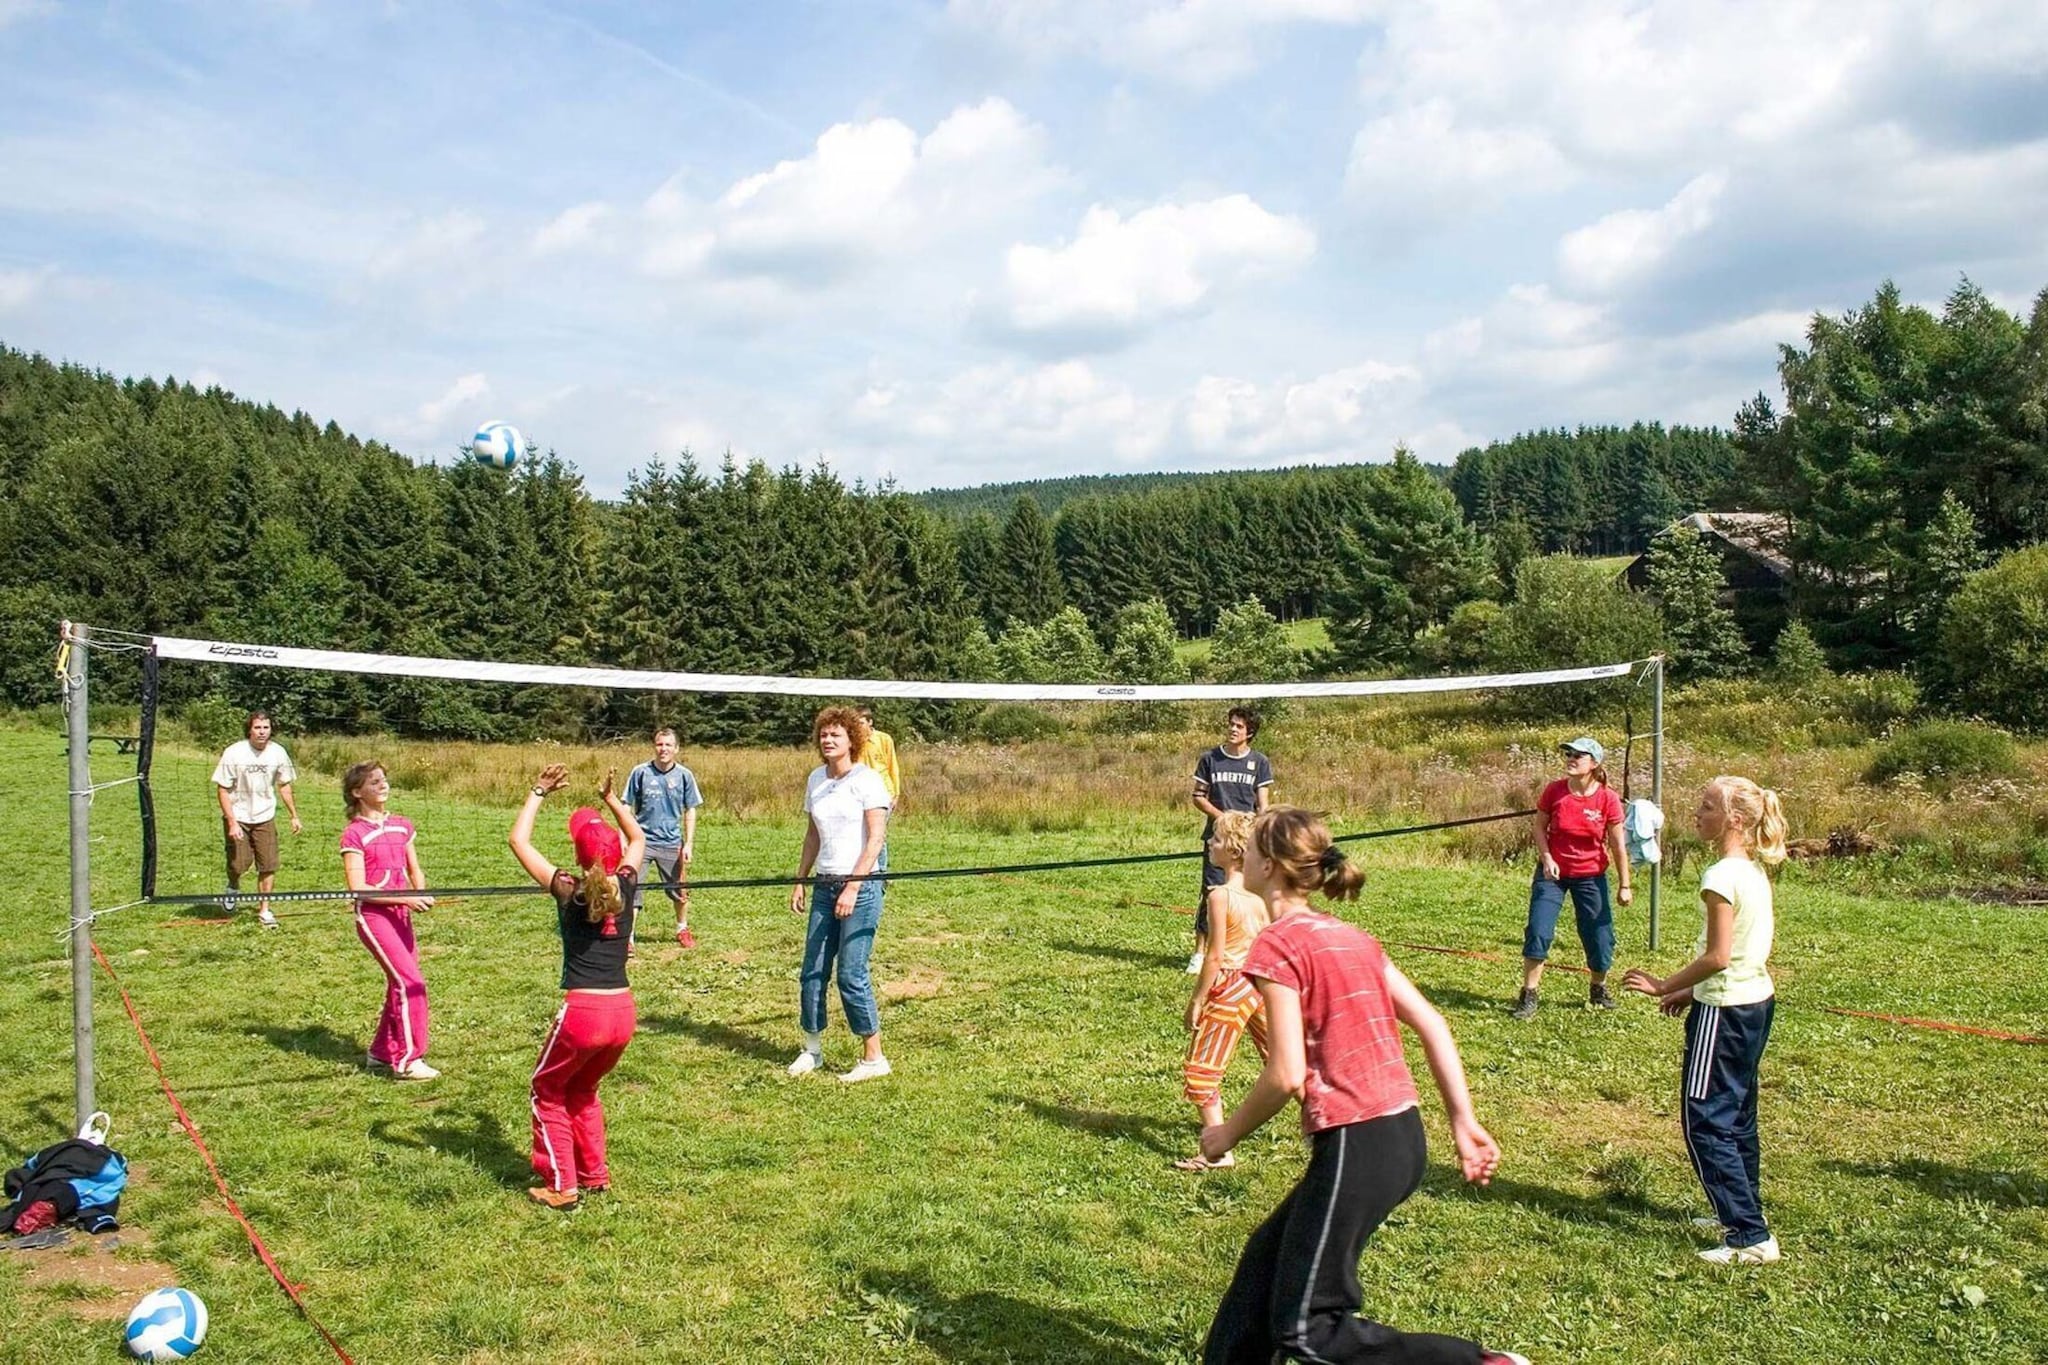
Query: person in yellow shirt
[[879, 753]]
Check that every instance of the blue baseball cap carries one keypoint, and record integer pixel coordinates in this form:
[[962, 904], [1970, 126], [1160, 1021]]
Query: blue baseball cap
[[1587, 745]]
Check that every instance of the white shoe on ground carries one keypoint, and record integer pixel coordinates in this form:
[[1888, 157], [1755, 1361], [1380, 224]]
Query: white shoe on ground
[[806, 1062], [1194, 964], [866, 1070], [414, 1070], [1763, 1253], [266, 919]]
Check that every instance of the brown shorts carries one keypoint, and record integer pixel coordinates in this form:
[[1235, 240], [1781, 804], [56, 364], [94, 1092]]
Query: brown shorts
[[256, 848]]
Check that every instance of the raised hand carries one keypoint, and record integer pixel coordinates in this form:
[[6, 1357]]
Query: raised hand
[[554, 777]]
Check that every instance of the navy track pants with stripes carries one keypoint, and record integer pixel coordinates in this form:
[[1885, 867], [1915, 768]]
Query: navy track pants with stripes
[[1724, 1044]]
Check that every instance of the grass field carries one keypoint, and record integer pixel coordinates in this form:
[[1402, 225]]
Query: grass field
[[1007, 1195], [1311, 632]]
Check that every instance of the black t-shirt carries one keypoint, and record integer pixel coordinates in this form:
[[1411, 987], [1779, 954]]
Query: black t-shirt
[[592, 958], [1231, 783]]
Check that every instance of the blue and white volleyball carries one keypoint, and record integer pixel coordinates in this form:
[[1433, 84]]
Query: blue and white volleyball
[[497, 444], [168, 1324]]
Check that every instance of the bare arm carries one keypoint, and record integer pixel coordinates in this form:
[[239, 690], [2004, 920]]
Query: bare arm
[[1478, 1154], [1617, 844], [1265, 798], [636, 837], [291, 805], [689, 833], [803, 867], [417, 876], [1212, 952], [1203, 804], [227, 812], [1285, 1072], [1543, 858], [521, 838], [1720, 946]]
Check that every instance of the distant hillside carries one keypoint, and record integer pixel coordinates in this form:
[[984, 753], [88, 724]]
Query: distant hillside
[[958, 504]]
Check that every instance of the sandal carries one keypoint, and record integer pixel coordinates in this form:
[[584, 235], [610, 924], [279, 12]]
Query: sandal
[[1202, 1163]]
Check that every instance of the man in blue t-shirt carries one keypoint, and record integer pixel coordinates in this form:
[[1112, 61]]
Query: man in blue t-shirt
[[663, 796], [1231, 776]]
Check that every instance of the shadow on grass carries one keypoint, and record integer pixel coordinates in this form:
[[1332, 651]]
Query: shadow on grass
[[1139, 1128], [1618, 1207], [736, 1041], [257, 1083], [478, 1138], [43, 1127], [1136, 957], [988, 1328], [314, 1040], [2008, 1189]]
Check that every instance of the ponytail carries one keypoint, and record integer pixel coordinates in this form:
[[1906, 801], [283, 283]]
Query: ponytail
[[601, 899], [1304, 857], [1757, 812]]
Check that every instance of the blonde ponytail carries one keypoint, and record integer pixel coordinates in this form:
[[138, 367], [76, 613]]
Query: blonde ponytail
[[1757, 812], [601, 896]]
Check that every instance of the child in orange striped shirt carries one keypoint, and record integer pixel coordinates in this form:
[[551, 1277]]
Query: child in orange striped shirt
[[1225, 1004]]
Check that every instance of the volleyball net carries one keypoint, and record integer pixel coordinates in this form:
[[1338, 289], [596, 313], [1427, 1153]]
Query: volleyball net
[[179, 840]]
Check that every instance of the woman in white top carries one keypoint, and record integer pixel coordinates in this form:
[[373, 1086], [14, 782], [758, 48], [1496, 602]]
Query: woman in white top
[[848, 806], [1726, 996]]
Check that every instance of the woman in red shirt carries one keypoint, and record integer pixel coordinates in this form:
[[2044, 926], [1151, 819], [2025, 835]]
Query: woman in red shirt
[[1578, 825], [1333, 1003]]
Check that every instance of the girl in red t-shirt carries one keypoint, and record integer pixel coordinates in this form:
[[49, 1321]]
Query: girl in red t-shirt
[[1578, 827], [1332, 1004]]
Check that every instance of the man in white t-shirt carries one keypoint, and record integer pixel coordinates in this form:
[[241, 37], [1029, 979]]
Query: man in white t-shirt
[[253, 775]]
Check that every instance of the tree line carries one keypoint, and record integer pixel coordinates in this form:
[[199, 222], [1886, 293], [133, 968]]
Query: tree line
[[1911, 450]]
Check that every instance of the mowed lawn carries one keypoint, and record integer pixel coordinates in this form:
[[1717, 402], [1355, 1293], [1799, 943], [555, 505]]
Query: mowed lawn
[[1008, 1194]]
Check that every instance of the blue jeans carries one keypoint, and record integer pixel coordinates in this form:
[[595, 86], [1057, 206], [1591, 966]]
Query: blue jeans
[[1595, 917], [849, 942]]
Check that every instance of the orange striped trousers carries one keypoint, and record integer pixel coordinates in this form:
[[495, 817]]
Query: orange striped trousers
[[1232, 1008]]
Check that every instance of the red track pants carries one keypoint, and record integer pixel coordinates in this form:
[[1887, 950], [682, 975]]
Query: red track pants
[[588, 1037]]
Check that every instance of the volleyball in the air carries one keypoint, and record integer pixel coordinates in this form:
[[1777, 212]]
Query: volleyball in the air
[[497, 444], [168, 1324]]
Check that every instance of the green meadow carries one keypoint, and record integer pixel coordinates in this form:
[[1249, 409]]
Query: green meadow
[[1008, 1195]]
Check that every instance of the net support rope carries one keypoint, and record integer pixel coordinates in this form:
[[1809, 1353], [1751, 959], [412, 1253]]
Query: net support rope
[[229, 898]]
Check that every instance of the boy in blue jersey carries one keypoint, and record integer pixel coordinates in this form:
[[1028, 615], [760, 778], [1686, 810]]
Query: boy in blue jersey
[[663, 796]]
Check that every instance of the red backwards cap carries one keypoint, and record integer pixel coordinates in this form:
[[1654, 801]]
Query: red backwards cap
[[597, 843]]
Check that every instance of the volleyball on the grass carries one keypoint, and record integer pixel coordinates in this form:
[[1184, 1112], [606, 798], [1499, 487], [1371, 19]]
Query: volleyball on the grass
[[497, 444], [168, 1324]]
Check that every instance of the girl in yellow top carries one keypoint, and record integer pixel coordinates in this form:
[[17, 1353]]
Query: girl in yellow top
[[1225, 1004], [1727, 998]]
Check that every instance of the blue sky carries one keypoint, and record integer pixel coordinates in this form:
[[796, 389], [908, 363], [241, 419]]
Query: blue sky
[[952, 242]]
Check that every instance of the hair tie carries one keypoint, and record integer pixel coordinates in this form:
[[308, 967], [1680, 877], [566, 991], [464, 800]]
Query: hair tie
[[1332, 859]]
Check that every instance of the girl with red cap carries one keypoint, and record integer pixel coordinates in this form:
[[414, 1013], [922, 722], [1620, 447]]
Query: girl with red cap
[[594, 911]]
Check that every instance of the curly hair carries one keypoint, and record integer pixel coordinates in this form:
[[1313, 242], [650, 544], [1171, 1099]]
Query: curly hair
[[845, 718], [1234, 831]]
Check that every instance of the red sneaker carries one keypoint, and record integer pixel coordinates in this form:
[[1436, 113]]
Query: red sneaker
[[685, 938]]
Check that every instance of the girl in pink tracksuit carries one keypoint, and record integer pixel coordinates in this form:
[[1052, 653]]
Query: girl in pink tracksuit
[[378, 854], [594, 908]]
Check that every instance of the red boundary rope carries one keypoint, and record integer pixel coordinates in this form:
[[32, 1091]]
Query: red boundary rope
[[192, 1131], [1906, 1020]]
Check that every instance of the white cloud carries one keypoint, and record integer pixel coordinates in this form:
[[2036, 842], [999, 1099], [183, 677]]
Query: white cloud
[[14, 11], [572, 228], [1120, 275], [866, 191], [1352, 413], [1624, 247], [1199, 43], [438, 417], [428, 245], [1418, 167], [18, 287]]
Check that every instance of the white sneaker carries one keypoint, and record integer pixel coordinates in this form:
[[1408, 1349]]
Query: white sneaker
[[806, 1062], [266, 919], [1763, 1253], [866, 1071], [414, 1070], [1194, 964]]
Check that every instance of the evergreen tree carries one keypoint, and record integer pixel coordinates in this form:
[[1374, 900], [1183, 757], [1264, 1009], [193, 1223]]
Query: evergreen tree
[[1688, 582], [1411, 560], [1025, 580], [1796, 658]]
